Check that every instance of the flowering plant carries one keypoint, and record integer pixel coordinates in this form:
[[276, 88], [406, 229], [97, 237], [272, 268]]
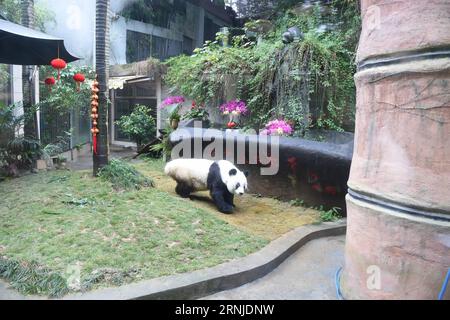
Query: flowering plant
[[234, 107], [175, 103], [277, 127], [196, 112], [172, 100]]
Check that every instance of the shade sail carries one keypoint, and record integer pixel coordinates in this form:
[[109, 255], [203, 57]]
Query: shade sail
[[25, 46]]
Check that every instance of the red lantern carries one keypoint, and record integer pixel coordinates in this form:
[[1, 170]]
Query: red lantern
[[79, 78], [58, 64], [50, 81]]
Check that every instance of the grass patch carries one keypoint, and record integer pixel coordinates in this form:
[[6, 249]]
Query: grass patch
[[124, 176], [31, 278], [60, 219]]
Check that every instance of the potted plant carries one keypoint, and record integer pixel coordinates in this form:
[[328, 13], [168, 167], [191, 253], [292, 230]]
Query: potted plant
[[175, 118], [173, 105], [234, 109], [199, 113]]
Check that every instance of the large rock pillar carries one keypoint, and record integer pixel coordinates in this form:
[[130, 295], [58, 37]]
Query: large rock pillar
[[398, 238]]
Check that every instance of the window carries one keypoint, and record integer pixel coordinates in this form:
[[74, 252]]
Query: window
[[141, 46], [188, 45], [211, 30]]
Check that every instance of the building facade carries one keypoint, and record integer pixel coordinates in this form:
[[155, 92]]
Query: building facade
[[138, 32]]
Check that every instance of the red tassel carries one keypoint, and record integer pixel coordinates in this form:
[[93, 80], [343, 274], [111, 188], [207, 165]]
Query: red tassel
[[94, 142]]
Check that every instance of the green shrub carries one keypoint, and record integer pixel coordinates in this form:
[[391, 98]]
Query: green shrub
[[123, 176], [139, 125]]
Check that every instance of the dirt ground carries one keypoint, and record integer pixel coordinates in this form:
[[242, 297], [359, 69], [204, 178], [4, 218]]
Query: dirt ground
[[266, 217]]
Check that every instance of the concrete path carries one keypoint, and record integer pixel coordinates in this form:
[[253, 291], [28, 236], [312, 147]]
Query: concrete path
[[307, 275], [8, 293], [84, 162]]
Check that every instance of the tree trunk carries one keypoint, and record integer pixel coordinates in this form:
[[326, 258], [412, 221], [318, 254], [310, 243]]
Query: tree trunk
[[28, 83], [102, 30]]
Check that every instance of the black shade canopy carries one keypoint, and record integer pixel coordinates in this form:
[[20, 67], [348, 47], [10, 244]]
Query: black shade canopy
[[24, 46]]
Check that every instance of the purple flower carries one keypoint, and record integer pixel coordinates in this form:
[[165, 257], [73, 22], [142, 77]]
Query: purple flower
[[234, 107], [172, 100], [277, 127]]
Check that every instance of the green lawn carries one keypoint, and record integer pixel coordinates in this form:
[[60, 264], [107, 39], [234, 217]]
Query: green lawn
[[61, 218]]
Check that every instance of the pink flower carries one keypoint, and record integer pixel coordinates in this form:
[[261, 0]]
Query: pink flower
[[172, 100], [234, 107], [277, 127]]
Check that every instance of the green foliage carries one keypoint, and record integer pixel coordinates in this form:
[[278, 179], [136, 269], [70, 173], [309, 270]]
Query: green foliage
[[330, 215], [61, 144], [297, 203], [12, 11], [174, 113], [60, 101], [10, 120], [154, 12], [141, 10], [31, 278], [124, 176], [139, 125], [271, 76], [15, 152], [164, 146], [63, 96], [196, 112], [19, 153]]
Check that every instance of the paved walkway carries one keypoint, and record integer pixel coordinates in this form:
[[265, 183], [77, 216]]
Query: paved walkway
[[84, 162], [309, 274], [8, 293]]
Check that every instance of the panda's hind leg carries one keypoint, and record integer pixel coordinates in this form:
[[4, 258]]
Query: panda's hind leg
[[183, 190]]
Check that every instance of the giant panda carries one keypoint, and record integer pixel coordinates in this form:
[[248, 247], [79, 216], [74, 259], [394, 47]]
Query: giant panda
[[221, 178]]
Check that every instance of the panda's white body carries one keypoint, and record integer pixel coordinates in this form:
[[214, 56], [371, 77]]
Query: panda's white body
[[192, 171], [221, 178]]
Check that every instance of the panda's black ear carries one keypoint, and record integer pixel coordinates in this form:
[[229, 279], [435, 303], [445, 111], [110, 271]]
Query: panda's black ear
[[246, 173], [233, 172]]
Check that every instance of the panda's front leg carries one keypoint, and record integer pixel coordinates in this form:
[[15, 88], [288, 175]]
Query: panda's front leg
[[221, 203], [229, 198]]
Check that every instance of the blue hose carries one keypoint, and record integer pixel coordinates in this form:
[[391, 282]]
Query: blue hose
[[337, 282], [444, 286]]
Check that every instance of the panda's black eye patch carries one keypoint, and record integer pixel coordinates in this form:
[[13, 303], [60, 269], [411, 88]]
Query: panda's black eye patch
[[233, 172], [238, 186]]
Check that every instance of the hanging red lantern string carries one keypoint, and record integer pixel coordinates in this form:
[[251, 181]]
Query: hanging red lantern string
[[58, 64], [50, 81], [79, 78], [94, 115]]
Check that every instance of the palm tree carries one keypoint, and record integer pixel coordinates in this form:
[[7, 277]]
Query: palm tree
[[28, 77], [102, 30]]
